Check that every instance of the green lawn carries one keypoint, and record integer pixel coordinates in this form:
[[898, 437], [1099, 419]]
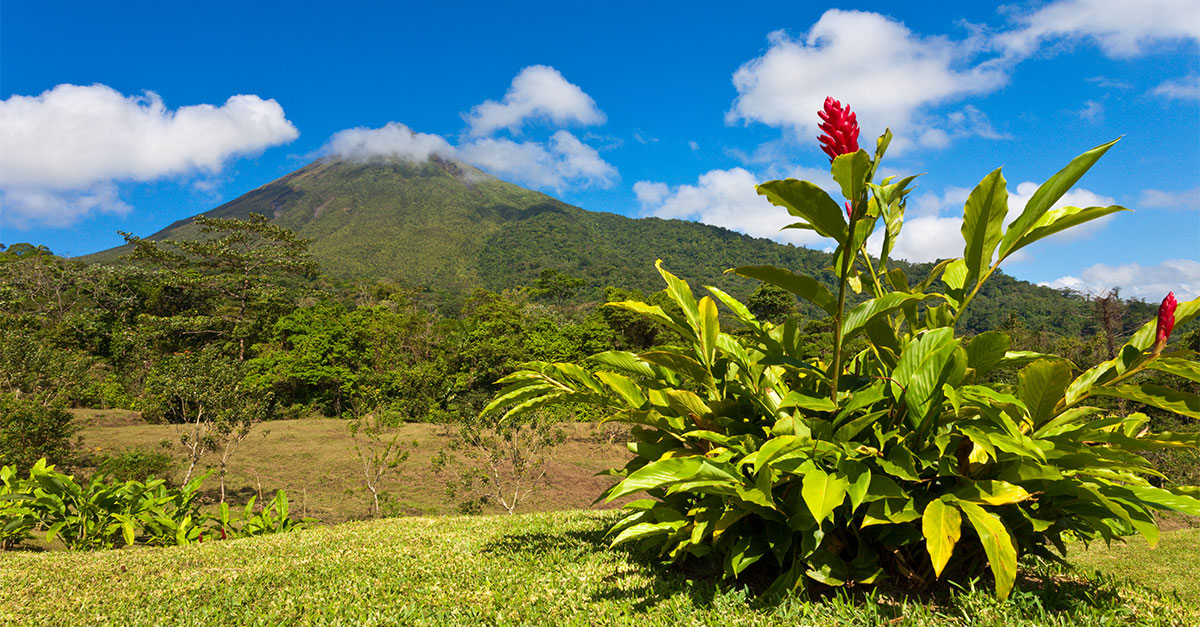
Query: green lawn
[[537, 569], [1173, 565]]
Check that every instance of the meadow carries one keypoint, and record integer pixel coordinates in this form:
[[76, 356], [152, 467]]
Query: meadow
[[538, 569]]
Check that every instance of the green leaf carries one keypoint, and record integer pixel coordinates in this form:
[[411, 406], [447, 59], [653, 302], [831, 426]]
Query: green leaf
[[708, 328], [681, 293], [864, 313], [919, 373], [805, 287], [1061, 219], [1042, 385], [859, 477], [624, 387], [992, 492], [997, 544], [805, 200], [850, 172], [823, 492], [804, 401], [941, 525], [664, 472], [642, 531], [983, 220], [1187, 368], [1048, 194], [655, 313], [1158, 396], [738, 309], [986, 350]]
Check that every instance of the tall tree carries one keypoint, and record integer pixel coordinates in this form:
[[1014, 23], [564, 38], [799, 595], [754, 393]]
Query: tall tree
[[243, 266]]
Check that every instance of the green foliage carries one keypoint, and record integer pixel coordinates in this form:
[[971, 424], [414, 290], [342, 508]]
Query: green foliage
[[894, 458], [31, 429], [135, 464], [105, 513]]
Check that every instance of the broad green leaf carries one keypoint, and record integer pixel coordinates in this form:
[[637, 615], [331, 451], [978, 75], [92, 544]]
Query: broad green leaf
[[858, 476], [850, 171], [708, 330], [805, 200], [992, 492], [1163, 499], [624, 387], [664, 472], [682, 364], [986, 350], [1061, 219], [823, 492], [955, 275], [656, 313], [1187, 368], [642, 531], [941, 524], [681, 293], [997, 544], [983, 220], [805, 287], [804, 401], [860, 316], [918, 375], [1047, 194], [1042, 385], [1158, 396], [629, 363], [734, 305]]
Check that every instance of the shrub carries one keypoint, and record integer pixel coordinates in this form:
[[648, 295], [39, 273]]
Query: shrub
[[135, 464], [904, 460], [30, 429]]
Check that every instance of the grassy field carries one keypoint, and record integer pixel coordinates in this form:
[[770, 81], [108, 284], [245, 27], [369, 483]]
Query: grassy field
[[536, 569], [315, 461]]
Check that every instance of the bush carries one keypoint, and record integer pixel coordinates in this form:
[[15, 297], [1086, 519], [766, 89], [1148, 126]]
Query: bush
[[135, 465], [903, 460], [30, 430]]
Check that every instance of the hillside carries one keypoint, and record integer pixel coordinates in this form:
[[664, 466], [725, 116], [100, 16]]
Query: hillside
[[445, 227]]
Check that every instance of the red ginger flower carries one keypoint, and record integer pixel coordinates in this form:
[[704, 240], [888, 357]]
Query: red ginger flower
[[1166, 321], [840, 127]]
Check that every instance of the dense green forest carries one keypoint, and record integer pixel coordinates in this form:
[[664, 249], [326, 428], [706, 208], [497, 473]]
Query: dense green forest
[[241, 320], [442, 229]]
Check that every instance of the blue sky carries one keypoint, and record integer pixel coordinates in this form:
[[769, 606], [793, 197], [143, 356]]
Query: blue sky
[[130, 116]]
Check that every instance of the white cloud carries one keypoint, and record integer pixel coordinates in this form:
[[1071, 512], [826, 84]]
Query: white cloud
[[73, 136], [725, 198], [1182, 88], [1149, 283], [65, 148], [849, 55], [927, 238], [538, 90], [1187, 199], [393, 140], [1121, 28], [563, 161], [58, 208], [693, 145], [1092, 111]]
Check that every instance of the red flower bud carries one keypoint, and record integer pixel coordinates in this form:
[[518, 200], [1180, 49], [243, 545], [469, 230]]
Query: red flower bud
[[1166, 321], [840, 126], [849, 211]]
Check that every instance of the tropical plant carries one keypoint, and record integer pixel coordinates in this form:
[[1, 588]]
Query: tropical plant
[[865, 466]]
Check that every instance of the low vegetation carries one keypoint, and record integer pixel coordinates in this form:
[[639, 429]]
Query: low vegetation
[[529, 569]]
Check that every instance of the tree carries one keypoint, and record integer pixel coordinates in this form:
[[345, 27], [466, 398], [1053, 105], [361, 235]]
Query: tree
[[557, 287], [206, 395], [378, 453], [771, 303], [500, 462], [242, 265]]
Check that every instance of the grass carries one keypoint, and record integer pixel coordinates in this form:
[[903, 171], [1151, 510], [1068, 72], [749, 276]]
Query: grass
[[314, 460], [1171, 566], [544, 568]]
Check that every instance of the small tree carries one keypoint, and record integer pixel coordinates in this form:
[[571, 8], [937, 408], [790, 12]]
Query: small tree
[[379, 452], [206, 395], [500, 462]]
